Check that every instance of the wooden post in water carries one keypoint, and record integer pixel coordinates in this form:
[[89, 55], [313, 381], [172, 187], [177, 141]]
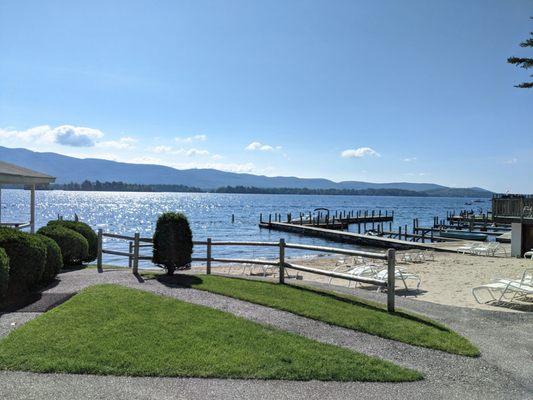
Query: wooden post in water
[[136, 243], [99, 254], [391, 272], [281, 260], [208, 257]]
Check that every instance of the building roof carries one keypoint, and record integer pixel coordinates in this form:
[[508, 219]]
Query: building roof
[[14, 174]]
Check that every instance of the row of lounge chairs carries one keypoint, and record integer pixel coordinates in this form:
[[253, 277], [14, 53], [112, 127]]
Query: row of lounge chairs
[[418, 256], [506, 290], [363, 268], [483, 249]]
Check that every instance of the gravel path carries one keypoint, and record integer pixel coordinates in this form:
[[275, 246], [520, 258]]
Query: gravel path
[[494, 375]]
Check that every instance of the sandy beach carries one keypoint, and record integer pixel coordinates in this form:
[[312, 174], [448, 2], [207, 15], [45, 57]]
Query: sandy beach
[[448, 279]]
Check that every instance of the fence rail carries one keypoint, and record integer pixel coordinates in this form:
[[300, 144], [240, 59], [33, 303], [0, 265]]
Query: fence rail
[[136, 242]]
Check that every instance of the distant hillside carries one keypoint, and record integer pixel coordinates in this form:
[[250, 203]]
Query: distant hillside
[[69, 169]]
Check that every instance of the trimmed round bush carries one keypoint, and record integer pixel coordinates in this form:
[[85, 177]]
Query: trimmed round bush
[[86, 231], [74, 247], [172, 242], [4, 274], [54, 259], [27, 256]]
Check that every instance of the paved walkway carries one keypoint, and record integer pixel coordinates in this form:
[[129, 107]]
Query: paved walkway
[[505, 369]]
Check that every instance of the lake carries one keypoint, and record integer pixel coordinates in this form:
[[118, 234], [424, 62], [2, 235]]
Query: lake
[[210, 214]]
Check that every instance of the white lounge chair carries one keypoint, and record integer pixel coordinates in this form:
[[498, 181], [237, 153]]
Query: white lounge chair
[[399, 274], [363, 271], [469, 248], [489, 249], [428, 255], [507, 287], [413, 256]]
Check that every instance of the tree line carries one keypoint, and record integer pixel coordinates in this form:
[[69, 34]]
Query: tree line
[[118, 186]]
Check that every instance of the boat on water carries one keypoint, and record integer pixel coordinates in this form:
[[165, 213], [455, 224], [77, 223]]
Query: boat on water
[[465, 235]]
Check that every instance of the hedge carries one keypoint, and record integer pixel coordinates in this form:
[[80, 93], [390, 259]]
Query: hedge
[[86, 231], [54, 259], [27, 256], [4, 275], [74, 247]]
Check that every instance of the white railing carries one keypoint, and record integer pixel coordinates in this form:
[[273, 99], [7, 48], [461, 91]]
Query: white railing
[[136, 242]]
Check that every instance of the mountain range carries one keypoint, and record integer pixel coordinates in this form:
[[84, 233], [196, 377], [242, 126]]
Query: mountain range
[[70, 169]]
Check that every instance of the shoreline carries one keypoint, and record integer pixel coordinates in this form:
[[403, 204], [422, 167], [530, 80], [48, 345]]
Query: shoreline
[[447, 280]]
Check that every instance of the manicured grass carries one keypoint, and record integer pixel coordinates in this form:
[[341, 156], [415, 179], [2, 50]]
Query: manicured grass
[[110, 329], [336, 309]]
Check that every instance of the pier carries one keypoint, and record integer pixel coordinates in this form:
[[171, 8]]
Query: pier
[[338, 220], [361, 239]]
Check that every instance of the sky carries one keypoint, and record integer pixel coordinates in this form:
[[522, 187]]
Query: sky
[[378, 91]]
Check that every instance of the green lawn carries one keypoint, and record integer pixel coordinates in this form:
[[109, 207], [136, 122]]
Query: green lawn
[[336, 309], [108, 329]]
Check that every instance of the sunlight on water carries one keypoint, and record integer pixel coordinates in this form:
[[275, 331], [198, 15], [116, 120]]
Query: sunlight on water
[[210, 214]]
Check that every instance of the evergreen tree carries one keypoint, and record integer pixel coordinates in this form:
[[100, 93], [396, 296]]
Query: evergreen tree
[[524, 62]]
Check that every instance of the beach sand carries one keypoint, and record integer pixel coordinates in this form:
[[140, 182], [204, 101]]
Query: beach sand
[[448, 279]]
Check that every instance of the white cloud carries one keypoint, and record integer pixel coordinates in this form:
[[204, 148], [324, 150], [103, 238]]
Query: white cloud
[[76, 136], [161, 149], [123, 143], [229, 167], [185, 152], [360, 152], [66, 135], [190, 139], [416, 174], [409, 159], [511, 161], [196, 153], [258, 146]]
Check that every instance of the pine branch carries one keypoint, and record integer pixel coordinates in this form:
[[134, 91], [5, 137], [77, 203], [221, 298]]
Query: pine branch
[[528, 42], [521, 62], [525, 85]]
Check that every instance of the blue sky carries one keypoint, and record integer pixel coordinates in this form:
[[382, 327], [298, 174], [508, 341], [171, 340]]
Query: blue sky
[[348, 90]]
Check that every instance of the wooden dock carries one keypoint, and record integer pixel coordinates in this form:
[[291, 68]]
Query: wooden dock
[[366, 240], [338, 220]]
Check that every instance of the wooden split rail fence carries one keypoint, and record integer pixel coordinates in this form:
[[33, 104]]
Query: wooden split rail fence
[[136, 242]]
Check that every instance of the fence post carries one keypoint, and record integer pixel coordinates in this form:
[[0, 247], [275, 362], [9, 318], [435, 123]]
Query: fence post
[[136, 243], [99, 254], [282, 260], [391, 271], [130, 258], [208, 256]]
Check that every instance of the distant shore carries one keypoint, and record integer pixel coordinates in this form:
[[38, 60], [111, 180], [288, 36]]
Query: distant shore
[[134, 187]]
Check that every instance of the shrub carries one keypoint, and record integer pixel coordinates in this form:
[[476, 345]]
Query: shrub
[[86, 231], [172, 242], [4, 274], [54, 259], [27, 256], [74, 247]]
